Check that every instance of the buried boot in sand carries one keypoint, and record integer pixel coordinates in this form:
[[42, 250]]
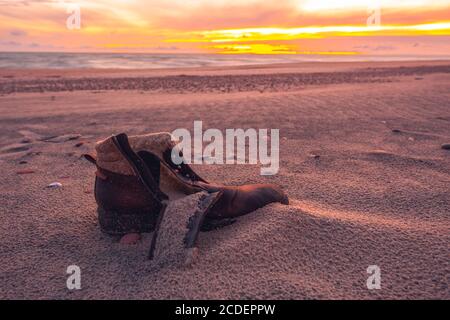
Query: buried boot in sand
[[139, 188]]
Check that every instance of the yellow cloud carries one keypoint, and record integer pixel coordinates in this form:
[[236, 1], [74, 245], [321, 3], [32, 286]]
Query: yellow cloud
[[253, 49], [280, 34], [269, 49]]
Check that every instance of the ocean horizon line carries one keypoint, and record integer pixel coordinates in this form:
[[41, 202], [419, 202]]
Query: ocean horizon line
[[134, 60]]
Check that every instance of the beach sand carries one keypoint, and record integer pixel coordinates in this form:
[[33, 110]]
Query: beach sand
[[360, 159]]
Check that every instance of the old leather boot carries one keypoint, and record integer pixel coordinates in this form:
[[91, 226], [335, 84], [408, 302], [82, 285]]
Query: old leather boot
[[136, 178]]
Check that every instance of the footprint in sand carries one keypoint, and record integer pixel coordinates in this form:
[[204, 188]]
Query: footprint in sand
[[30, 140], [23, 148], [418, 134], [63, 138], [33, 136], [30, 135], [14, 148]]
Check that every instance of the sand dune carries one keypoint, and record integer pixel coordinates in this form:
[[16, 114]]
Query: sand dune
[[360, 160]]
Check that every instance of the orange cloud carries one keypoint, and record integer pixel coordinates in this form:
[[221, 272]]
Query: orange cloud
[[252, 26]]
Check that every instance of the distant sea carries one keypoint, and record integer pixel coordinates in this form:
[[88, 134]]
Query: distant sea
[[31, 60]]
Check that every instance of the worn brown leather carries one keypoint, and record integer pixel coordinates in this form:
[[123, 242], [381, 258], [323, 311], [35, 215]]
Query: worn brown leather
[[128, 197], [240, 200]]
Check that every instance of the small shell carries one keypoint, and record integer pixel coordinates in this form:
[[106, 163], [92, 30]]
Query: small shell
[[54, 185]]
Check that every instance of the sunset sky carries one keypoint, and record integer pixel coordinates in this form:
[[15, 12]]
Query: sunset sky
[[231, 26]]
